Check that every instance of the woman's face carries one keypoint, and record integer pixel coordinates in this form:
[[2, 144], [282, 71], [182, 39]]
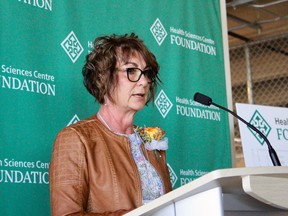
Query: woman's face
[[131, 96]]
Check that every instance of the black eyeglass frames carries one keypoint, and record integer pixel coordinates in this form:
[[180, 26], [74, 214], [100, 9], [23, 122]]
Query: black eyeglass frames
[[134, 74]]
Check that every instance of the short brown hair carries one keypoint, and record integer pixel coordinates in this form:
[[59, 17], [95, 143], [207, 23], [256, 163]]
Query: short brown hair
[[99, 71]]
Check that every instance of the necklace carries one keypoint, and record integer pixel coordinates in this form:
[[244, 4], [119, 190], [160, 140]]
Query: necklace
[[103, 121], [106, 124]]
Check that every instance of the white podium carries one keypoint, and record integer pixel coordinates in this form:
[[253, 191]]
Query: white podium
[[245, 191]]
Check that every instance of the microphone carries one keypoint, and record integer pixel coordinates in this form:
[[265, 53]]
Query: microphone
[[205, 100]]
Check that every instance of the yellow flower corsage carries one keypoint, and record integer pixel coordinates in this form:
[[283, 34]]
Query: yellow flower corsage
[[153, 138]]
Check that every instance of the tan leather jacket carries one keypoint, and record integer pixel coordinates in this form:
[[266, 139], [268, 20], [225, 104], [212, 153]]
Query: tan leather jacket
[[92, 171]]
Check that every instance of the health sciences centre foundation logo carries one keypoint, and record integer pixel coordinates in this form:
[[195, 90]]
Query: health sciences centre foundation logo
[[72, 46], [158, 31], [183, 38], [163, 103], [74, 119], [173, 176], [258, 121], [42, 4]]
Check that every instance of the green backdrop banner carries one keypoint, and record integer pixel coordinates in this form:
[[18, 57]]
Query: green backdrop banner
[[43, 44]]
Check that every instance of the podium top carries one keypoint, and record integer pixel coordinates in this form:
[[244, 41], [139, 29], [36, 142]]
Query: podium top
[[267, 185]]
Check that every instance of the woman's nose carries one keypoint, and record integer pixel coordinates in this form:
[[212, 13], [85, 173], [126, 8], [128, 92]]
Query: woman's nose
[[143, 80]]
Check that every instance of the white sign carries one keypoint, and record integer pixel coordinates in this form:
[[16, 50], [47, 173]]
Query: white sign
[[273, 123]]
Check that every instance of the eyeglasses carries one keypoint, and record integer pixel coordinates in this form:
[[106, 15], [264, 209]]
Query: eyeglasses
[[134, 74]]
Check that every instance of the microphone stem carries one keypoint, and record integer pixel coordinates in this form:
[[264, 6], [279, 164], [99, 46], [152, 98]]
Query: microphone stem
[[272, 152]]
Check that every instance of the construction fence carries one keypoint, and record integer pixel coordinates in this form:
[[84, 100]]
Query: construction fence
[[259, 75]]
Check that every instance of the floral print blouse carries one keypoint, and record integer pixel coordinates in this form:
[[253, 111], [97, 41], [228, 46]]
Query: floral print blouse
[[152, 185]]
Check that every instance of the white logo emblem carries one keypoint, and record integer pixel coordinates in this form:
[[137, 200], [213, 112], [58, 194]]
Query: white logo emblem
[[163, 103], [73, 120], [158, 31], [173, 176], [72, 46]]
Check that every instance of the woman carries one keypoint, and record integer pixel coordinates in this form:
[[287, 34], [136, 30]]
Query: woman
[[100, 166]]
